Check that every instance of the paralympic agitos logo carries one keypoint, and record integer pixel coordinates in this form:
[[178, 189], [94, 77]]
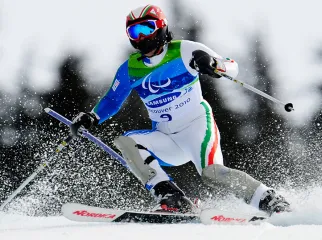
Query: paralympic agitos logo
[[153, 88]]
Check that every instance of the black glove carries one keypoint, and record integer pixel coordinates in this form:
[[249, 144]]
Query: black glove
[[85, 120], [204, 63]]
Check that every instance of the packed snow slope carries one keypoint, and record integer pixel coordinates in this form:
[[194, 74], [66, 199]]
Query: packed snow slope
[[54, 228], [305, 222]]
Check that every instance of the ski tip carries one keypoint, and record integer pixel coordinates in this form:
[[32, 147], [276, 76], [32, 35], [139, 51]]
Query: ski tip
[[65, 206], [47, 110], [69, 205]]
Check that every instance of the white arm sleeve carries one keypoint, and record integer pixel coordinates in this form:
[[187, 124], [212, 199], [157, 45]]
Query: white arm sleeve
[[187, 47]]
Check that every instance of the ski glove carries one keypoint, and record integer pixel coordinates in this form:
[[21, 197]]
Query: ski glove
[[82, 120], [202, 62]]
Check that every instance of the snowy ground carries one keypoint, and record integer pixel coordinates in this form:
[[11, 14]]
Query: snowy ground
[[304, 223], [17, 227]]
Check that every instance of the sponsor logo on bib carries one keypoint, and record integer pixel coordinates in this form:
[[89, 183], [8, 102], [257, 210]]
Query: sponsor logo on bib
[[161, 101]]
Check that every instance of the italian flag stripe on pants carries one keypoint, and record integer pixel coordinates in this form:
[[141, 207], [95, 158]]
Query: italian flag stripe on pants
[[210, 142]]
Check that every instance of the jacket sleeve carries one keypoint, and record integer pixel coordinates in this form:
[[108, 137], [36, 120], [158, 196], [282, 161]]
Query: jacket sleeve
[[113, 100], [187, 47]]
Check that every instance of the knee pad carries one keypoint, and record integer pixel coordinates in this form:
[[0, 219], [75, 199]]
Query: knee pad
[[240, 183], [138, 166], [216, 174]]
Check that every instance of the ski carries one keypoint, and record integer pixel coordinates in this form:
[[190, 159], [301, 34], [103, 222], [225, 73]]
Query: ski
[[211, 215], [85, 213]]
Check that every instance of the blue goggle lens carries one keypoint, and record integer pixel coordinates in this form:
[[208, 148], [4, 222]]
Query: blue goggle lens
[[144, 28]]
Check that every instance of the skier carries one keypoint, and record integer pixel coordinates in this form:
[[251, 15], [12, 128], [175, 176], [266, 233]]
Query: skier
[[165, 74]]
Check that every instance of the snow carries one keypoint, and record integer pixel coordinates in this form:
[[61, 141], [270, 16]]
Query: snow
[[18, 227], [304, 222]]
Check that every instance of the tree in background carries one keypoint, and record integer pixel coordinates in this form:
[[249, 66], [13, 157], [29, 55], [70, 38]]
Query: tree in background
[[256, 141], [184, 24], [309, 146], [72, 95], [269, 155], [26, 129]]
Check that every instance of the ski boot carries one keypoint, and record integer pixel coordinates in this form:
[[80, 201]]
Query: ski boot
[[172, 198], [273, 203]]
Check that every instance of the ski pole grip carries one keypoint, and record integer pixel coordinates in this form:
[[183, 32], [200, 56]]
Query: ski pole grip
[[90, 137]]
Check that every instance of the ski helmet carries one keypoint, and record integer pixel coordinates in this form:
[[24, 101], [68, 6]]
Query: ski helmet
[[147, 28]]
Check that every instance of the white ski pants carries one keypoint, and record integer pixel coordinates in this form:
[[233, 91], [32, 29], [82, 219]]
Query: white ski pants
[[176, 143]]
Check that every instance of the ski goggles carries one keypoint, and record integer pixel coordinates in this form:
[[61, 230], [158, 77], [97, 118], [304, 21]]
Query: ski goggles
[[145, 28]]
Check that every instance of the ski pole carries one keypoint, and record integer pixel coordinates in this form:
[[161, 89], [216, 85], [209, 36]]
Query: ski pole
[[44, 164], [287, 106], [89, 136]]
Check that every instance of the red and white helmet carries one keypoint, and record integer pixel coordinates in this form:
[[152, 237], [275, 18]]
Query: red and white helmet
[[147, 28]]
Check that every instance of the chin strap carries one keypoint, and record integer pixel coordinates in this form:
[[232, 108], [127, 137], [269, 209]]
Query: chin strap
[[156, 52], [140, 58]]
